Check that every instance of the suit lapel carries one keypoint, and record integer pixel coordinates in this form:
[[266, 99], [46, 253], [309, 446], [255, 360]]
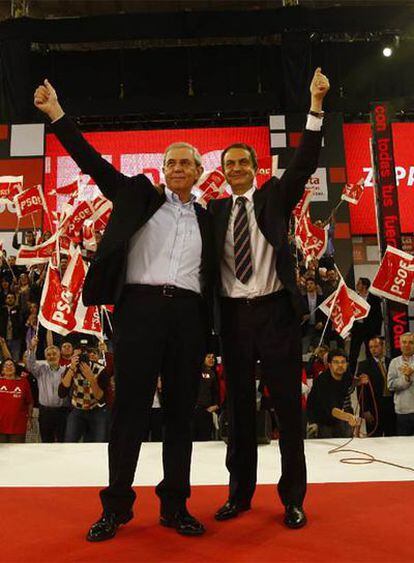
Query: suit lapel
[[221, 218], [258, 203]]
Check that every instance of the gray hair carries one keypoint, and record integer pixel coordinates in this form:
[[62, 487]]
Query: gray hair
[[182, 145]]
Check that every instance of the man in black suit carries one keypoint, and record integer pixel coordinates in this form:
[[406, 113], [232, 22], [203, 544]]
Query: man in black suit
[[377, 406], [156, 263], [312, 321], [365, 329], [261, 310]]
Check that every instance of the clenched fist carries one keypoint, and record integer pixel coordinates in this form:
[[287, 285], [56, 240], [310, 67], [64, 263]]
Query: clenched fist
[[45, 99], [319, 88]]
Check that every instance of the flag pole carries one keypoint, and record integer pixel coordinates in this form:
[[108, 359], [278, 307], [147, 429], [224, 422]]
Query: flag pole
[[332, 305]]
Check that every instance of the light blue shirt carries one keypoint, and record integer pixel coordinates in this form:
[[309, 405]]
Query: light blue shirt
[[167, 249], [403, 389]]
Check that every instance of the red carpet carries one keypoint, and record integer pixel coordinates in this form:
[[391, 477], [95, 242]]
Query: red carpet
[[348, 522]]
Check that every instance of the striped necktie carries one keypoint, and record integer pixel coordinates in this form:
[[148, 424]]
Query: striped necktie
[[241, 236]]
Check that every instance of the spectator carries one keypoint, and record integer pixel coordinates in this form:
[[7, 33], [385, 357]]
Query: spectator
[[53, 410], [28, 239], [16, 404], [329, 404], [86, 383], [23, 292], [10, 325], [312, 322], [66, 353], [380, 400], [400, 380], [5, 289], [330, 283], [31, 323], [207, 401], [365, 329], [318, 362]]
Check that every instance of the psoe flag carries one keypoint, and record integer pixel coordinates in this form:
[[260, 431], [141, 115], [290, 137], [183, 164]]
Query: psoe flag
[[395, 276]]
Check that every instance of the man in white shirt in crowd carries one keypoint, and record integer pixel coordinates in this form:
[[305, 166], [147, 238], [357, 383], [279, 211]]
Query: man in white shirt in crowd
[[400, 380]]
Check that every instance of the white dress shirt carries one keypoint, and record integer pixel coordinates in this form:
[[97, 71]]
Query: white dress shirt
[[167, 249], [264, 279]]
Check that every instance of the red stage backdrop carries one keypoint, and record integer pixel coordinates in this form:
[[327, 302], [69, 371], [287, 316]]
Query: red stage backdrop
[[135, 152], [358, 162]]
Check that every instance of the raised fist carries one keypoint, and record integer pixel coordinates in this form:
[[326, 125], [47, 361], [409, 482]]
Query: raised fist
[[45, 99], [320, 85]]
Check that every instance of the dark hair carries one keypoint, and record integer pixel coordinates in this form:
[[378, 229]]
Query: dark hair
[[377, 337], [18, 368], [337, 353], [365, 282], [243, 146]]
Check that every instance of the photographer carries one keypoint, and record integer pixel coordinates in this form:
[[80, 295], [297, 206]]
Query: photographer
[[86, 382]]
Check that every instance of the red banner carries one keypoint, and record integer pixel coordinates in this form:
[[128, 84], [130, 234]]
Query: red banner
[[72, 225], [303, 204], [395, 276], [29, 201], [39, 254], [343, 308], [56, 311], [352, 193], [311, 239], [10, 186]]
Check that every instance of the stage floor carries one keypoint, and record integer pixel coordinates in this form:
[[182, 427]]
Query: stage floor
[[85, 465], [49, 497]]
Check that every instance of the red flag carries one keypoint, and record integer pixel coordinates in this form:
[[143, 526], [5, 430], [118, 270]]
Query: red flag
[[343, 308], [39, 254], [57, 309], [353, 192], [102, 210], [303, 204], [68, 189], [88, 235], [10, 186], [88, 320], [29, 201], [75, 273], [72, 225], [311, 239], [211, 185], [395, 276], [266, 168]]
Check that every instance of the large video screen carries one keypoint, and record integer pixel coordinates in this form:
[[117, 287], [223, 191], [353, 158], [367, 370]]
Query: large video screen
[[358, 163], [135, 152]]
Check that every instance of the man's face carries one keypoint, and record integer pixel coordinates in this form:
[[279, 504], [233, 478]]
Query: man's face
[[338, 365], [360, 287], [180, 170], [52, 356], [8, 369], [310, 286], [407, 345], [209, 360], [376, 347], [29, 237], [10, 300], [12, 260], [63, 265], [331, 275], [66, 349], [239, 170]]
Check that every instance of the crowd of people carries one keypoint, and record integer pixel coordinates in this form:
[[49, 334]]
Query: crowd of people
[[68, 382]]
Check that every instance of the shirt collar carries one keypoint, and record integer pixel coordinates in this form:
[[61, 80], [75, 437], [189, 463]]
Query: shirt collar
[[248, 195], [173, 198]]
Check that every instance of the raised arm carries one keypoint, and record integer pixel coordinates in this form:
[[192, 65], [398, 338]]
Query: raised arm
[[107, 178], [305, 159]]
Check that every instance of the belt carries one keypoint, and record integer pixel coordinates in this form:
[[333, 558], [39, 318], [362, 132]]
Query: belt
[[256, 300], [162, 290]]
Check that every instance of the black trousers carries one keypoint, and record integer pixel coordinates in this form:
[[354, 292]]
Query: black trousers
[[202, 425], [52, 423], [386, 418], [153, 335], [269, 331]]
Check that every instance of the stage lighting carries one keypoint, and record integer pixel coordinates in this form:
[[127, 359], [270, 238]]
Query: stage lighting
[[387, 51], [390, 45]]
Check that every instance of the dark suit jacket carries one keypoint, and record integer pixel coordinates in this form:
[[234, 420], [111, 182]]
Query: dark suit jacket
[[134, 200], [273, 205], [371, 325], [371, 369], [319, 316]]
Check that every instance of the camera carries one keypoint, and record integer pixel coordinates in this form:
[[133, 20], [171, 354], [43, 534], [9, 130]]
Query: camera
[[84, 356]]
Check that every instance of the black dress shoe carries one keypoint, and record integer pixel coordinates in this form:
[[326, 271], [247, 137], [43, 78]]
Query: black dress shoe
[[231, 509], [294, 516], [183, 522], [105, 528]]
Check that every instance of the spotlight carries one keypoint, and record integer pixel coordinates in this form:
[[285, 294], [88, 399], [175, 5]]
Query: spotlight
[[387, 51], [390, 45]]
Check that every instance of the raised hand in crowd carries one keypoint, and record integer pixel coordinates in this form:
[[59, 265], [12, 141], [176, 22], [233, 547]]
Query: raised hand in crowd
[[319, 88], [33, 343], [45, 99]]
